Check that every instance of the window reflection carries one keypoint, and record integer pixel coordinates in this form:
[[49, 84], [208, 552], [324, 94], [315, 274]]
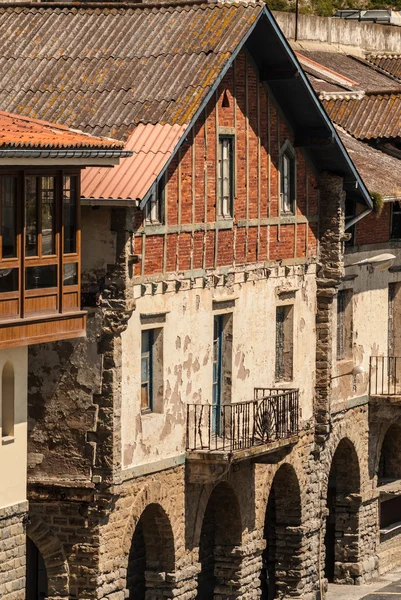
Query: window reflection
[[70, 274], [70, 213], [8, 216], [48, 237], [31, 217], [8, 280], [41, 277]]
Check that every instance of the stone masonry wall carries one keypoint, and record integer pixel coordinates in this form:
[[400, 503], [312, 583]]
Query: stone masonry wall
[[12, 551]]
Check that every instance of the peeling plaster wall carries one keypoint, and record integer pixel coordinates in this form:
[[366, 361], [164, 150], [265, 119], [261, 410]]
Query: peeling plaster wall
[[187, 368], [369, 323], [13, 450]]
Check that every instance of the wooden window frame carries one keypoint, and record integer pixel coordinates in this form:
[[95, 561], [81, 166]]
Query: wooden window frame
[[155, 206], [222, 212], [287, 151], [344, 325], [66, 298], [284, 363]]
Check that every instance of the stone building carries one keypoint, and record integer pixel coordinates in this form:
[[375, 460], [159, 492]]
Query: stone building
[[210, 437]]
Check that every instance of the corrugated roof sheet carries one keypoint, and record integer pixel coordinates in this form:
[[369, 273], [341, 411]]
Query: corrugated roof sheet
[[105, 69], [391, 63], [24, 132], [132, 178], [380, 172], [373, 116], [363, 75]]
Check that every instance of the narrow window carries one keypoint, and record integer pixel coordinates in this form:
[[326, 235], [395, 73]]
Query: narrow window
[[8, 216], [350, 214], [284, 342], [344, 324], [7, 401], [70, 213], [31, 216], [47, 220], [147, 371], [287, 182], [154, 209], [225, 177], [396, 221]]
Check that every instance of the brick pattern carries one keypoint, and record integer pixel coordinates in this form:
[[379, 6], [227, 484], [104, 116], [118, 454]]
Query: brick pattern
[[12, 551], [243, 105]]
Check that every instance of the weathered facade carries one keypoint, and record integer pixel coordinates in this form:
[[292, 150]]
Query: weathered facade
[[212, 436]]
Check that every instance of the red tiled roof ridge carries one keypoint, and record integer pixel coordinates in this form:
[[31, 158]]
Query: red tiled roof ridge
[[17, 131], [313, 63], [383, 55]]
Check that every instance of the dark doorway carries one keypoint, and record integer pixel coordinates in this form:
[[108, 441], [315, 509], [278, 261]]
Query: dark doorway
[[342, 523], [36, 575], [152, 549], [221, 532], [282, 557]]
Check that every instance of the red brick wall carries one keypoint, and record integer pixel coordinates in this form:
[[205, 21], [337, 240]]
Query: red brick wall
[[373, 229], [241, 103]]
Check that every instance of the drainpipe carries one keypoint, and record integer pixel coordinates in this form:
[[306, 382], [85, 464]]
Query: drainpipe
[[354, 220]]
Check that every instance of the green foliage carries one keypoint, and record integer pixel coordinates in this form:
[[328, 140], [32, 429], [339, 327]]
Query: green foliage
[[378, 203]]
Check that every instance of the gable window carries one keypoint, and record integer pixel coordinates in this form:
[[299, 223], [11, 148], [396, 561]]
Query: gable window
[[284, 342], [396, 221], [287, 180], [225, 177], [154, 209]]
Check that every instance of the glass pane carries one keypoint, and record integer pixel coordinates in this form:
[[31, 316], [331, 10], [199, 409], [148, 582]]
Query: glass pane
[[145, 341], [70, 213], [31, 217], [145, 369], [41, 277], [145, 397], [48, 237], [70, 274], [8, 280], [396, 225], [9, 216]]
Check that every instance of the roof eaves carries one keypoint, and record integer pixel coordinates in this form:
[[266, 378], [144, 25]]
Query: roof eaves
[[16, 152], [208, 96], [319, 107]]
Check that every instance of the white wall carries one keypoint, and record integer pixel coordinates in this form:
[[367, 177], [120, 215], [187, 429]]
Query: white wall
[[188, 334], [13, 450]]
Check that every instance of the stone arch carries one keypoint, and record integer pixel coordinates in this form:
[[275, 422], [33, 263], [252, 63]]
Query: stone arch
[[220, 537], [151, 555], [53, 555], [282, 557], [389, 457], [342, 523]]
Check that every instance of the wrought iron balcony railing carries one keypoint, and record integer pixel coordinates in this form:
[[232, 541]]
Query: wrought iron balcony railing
[[385, 376], [273, 415]]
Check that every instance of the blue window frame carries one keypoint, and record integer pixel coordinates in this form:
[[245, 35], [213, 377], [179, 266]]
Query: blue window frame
[[147, 351]]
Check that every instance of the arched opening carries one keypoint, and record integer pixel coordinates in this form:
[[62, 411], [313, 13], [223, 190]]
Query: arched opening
[[151, 556], [282, 556], [36, 574], [7, 401], [221, 532], [389, 471], [342, 528]]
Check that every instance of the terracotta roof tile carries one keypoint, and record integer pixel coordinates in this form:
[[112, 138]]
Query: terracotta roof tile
[[24, 132]]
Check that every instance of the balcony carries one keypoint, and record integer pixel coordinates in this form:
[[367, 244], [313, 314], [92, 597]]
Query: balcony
[[266, 425], [385, 387]]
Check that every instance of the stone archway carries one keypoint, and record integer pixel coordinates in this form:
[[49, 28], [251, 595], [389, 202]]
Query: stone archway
[[282, 557], [54, 560], [221, 535], [151, 556], [36, 573], [342, 524]]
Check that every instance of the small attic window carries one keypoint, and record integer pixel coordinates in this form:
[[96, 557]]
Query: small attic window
[[154, 208], [287, 180], [226, 100]]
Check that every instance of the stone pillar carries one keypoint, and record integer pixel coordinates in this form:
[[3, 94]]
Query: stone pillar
[[330, 271], [12, 551], [251, 569], [227, 567]]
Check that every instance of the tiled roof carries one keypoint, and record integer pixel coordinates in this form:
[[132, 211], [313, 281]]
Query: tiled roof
[[390, 63], [349, 67], [105, 69], [24, 132], [152, 146], [373, 116], [380, 171]]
